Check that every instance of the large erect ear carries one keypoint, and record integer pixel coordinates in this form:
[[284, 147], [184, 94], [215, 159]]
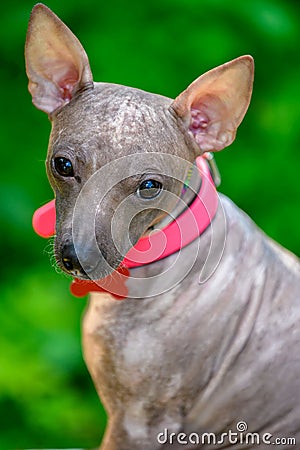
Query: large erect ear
[[213, 106], [56, 63]]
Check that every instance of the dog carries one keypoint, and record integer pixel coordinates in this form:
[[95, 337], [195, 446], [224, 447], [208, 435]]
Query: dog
[[204, 350]]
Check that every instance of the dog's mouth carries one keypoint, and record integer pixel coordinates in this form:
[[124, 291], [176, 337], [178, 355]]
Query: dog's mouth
[[86, 279], [88, 272], [83, 263], [114, 284]]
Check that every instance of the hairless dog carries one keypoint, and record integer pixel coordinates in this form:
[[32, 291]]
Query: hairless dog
[[204, 350]]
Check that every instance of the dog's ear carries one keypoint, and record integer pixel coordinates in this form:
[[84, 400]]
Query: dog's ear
[[213, 106], [56, 63]]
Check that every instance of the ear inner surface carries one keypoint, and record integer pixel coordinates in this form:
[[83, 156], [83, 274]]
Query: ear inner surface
[[211, 124], [56, 63], [214, 105]]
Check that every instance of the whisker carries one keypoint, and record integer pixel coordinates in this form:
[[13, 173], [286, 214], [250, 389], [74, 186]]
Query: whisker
[[50, 252]]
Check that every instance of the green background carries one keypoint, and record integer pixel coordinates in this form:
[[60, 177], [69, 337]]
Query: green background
[[46, 396]]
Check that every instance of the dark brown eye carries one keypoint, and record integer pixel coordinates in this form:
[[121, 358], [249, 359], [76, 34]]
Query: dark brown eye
[[149, 189], [64, 167]]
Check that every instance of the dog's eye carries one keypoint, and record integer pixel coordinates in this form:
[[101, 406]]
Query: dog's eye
[[64, 167], [149, 189]]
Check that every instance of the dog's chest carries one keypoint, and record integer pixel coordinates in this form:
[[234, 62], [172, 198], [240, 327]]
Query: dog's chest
[[135, 346]]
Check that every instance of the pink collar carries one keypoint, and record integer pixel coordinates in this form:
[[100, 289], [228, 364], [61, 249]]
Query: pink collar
[[160, 243]]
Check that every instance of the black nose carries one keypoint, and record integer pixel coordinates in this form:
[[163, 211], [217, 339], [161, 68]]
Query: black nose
[[70, 260]]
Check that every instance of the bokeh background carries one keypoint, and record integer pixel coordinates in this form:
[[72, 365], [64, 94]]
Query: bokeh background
[[46, 396]]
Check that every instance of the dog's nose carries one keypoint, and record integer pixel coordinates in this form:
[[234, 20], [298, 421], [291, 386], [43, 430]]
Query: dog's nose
[[70, 260]]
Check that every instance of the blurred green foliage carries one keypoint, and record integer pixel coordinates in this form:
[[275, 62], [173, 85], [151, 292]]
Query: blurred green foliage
[[46, 396]]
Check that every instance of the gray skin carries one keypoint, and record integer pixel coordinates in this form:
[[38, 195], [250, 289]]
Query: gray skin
[[200, 358], [202, 355], [94, 131]]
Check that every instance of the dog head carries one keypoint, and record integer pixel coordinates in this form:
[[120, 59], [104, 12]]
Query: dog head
[[114, 157]]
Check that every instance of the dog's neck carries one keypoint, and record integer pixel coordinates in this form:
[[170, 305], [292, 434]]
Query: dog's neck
[[192, 215]]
